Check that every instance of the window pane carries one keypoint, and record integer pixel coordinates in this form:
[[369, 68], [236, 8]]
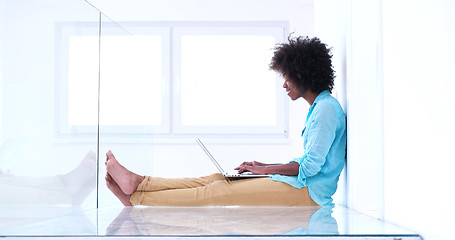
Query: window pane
[[82, 80], [131, 80], [225, 80]]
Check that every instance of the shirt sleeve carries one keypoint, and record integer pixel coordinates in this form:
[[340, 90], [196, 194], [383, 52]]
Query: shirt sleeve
[[320, 136]]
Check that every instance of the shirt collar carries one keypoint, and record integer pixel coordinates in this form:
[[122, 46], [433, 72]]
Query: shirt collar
[[321, 95]]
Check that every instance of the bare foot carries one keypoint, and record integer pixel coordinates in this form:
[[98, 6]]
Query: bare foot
[[125, 179], [112, 185]]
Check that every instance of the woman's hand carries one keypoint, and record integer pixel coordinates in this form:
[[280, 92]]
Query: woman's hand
[[253, 163], [259, 170], [289, 169], [253, 167]]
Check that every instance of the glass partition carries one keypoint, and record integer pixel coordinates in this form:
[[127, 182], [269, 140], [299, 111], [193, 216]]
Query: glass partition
[[46, 162]]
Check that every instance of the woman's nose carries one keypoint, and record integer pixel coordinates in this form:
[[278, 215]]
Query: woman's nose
[[285, 85]]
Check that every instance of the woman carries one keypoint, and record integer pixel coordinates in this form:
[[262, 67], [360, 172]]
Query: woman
[[310, 180]]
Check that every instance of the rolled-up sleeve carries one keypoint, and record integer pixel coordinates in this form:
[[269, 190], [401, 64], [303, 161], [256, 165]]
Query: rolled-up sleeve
[[319, 135]]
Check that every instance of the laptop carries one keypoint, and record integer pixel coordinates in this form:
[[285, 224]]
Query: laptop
[[228, 175]]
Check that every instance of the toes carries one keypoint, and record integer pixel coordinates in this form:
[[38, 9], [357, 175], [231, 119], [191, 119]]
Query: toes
[[109, 155]]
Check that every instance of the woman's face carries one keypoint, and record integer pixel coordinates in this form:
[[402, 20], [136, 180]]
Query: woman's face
[[293, 91]]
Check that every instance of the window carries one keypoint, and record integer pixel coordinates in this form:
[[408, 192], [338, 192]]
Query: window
[[172, 79], [134, 80]]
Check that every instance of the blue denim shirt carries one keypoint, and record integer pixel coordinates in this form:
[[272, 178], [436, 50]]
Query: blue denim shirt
[[324, 142]]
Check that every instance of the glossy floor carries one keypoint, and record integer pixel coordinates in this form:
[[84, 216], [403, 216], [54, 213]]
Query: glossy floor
[[208, 222]]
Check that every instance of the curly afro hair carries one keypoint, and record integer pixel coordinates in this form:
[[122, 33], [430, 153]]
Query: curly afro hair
[[306, 63]]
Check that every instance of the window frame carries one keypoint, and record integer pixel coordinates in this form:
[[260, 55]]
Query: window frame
[[170, 129]]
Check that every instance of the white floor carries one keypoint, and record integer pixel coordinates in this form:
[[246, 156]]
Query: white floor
[[117, 222]]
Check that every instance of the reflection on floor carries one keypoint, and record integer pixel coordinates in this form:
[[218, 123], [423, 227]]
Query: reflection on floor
[[204, 222]]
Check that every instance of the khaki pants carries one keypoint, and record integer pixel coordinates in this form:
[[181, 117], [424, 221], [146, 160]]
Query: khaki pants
[[215, 190]]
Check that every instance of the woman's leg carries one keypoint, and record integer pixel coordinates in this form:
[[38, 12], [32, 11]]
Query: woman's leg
[[123, 182], [153, 184], [246, 192]]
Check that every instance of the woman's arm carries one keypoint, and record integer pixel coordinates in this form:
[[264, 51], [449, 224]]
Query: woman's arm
[[289, 169]]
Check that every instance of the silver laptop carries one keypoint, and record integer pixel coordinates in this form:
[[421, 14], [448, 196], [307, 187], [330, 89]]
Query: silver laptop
[[229, 175]]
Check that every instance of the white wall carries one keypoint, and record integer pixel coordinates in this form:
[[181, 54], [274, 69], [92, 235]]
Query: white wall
[[299, 13], [401, 113], [364, 97], [2, 26], [419, 115], [351, 27]]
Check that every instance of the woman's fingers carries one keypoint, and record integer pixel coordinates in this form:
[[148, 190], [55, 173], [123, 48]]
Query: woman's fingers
[[244, 164]]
